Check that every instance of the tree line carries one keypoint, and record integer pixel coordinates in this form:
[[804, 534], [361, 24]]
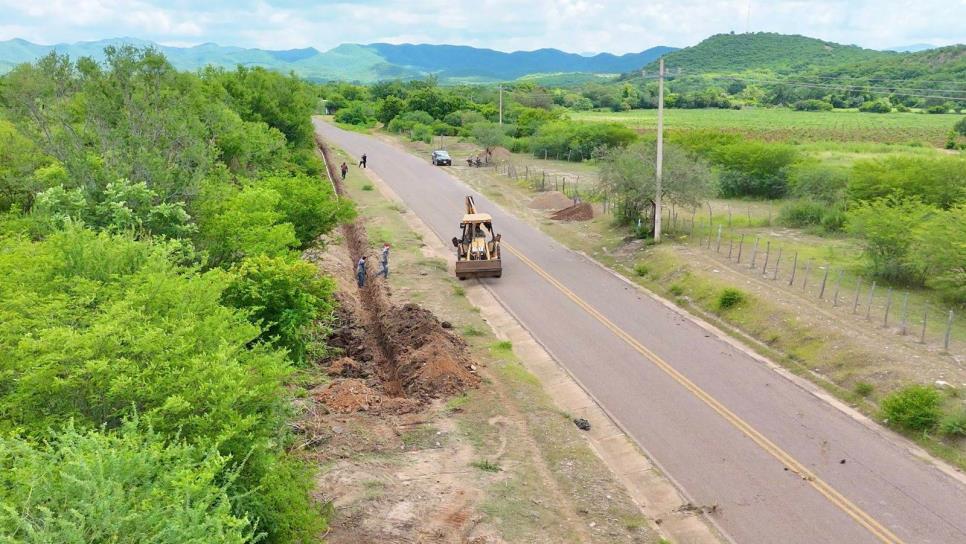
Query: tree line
[[155, 312]]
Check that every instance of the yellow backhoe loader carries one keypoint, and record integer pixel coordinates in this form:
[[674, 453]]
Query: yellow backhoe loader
[[478, 248]]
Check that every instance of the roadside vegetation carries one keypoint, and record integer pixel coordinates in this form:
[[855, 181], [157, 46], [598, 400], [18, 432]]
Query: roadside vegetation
[[155, 316]]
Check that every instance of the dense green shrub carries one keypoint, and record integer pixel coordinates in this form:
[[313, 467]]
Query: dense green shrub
[[127, 486], [960, 127], [939, 181], [940, 250], [879, 105], [421, 133], [309, 204], [801, 213], [488, 135], [812, 104], [913, 408], [236, 223], [954, 424], [405, 121], [886, 226], [729, 298], [578, 141], [817, 181], [754, 169], [126, 332], [357, 113], [283, 297]]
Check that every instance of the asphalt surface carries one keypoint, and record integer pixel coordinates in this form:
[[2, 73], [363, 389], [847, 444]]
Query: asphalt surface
[[712, 456]]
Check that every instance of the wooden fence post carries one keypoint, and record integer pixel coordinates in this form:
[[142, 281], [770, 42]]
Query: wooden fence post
[[868, 311], [949, 330], [754, 253], [821, 292], [838, 285], [885, 320], [778, 264], [717, 248], [764, 268], [905, 314], [808, 268], [922, 334], [791, 280], [741, 244], [858, 289]]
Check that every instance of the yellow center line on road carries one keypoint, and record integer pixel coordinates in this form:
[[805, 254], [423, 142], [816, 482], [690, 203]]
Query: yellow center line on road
[[836, 498]]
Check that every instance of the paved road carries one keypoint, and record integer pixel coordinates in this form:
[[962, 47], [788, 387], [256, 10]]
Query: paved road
[[727, 428]]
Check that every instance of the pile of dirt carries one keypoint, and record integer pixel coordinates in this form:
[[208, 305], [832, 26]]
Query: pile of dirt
[[581, 212], [550, 200], [431, 362], [353, 395], [500, 153]]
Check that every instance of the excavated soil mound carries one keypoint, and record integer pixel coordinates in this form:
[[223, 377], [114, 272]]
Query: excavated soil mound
[[550, 200], [430, 361], [500, 153], [581, 212], [353, 395]]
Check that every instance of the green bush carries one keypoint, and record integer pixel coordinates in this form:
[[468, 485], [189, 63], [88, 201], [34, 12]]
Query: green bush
[[283, 297], [309, 205], [357, 113], [939, 249], [578, 141], [913, 408], [864, 389], [421, 133], [879, 105], [812, 105], [730, 298], [236, 223], [816, 181], [939, 181], [960, 127], [886, 226], [834, 219], [126, 332], [128, 486], [754, 169], [954, 424], [405, 121], [641, 269], [801, 213]]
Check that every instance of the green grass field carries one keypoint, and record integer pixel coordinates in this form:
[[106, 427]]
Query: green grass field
[[779, 124]]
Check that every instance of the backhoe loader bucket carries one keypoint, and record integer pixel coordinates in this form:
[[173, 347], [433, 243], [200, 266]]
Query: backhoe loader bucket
[[477, 248]]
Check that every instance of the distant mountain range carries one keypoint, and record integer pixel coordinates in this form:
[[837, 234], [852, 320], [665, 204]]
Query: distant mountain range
[[362, 63]]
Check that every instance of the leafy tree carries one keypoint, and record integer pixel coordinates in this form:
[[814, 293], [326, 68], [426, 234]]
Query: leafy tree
[[488, 135], [628, 175], [357, 113], [579, 141], [879, 105], [818, 181], [389, 108], [960, 127]]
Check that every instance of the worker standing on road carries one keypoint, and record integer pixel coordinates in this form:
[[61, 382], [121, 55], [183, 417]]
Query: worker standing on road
[[362, 162], [345, 170], [361, 272], [384, 261]]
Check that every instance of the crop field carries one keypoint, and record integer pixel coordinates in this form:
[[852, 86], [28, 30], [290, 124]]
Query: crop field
[[779, 124]]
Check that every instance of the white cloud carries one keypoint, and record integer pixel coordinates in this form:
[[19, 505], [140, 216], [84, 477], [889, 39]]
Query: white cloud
[[573, 25]]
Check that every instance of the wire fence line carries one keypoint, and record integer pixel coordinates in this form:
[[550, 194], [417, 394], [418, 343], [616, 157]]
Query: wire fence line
[[885, 307]]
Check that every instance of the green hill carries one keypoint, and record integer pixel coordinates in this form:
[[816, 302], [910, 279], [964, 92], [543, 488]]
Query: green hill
[[779, 53]]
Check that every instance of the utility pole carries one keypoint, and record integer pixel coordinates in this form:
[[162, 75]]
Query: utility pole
[[660, 153], [501, 103]]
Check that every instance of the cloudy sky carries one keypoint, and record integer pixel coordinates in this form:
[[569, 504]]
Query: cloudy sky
[[571, 25]]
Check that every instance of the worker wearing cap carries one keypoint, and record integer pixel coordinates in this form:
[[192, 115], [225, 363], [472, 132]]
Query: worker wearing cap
[[384, 261]]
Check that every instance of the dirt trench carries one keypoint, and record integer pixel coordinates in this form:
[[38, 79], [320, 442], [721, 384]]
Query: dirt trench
[[396, 357]]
